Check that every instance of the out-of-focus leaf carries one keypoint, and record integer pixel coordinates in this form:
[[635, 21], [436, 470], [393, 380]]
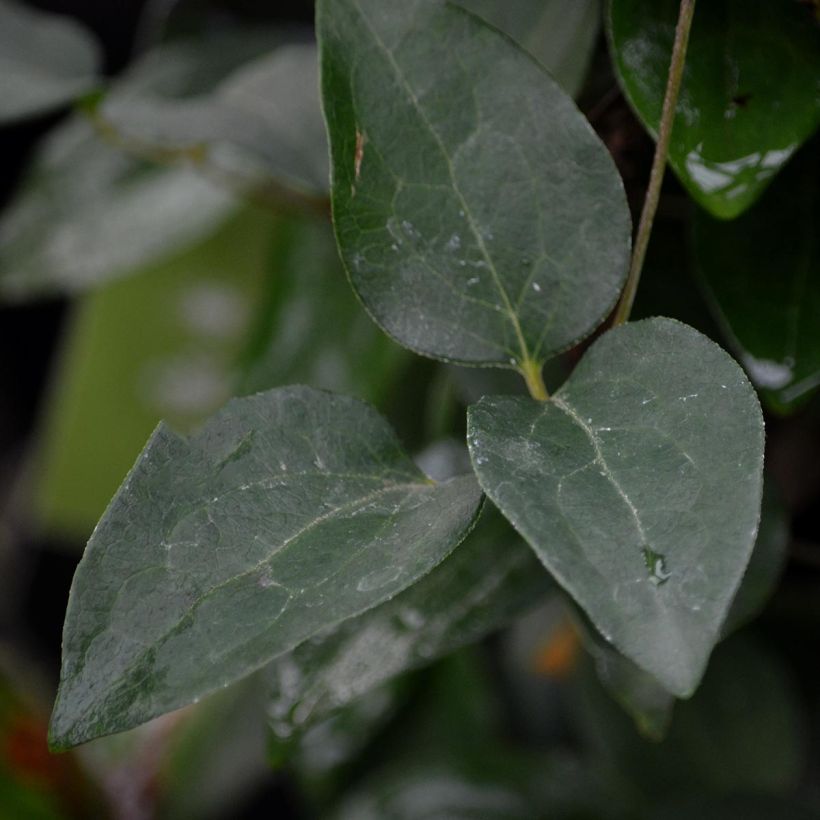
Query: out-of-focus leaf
[[163, 344], [560, 34], [482, 586], [491, 232], [638, 692], [762, 274], [262, 126], [215, 757], [741, 731], [310, 328], [638, 485], [46, 61], [766, 564], [750, 93], [286, 514], [88, 213]]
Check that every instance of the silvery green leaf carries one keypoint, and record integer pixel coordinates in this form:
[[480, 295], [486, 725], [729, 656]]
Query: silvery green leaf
[[289, 512]]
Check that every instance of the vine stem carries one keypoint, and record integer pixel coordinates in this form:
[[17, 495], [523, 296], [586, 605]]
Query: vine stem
[[653, 192]]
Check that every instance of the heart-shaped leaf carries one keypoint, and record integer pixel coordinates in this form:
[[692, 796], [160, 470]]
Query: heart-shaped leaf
[[493, 230], [638, 485], [749, 95], [762, 274], [46, 61], [289, 512]]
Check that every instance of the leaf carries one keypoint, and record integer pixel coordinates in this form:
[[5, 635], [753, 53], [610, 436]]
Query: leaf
[[89, 211], [491, 578], [165, 343], [46, 61], [640, 695], [638, 485], [560, 35], [215, 757], [749, 96], [766, 564], [88, 214], [713, 747], [289, 512], [762, 275], [494, 231], [261, 126]]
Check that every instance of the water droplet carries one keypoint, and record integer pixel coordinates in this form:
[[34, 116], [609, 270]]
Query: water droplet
[[473, 280], [536, 287], [656, 564]]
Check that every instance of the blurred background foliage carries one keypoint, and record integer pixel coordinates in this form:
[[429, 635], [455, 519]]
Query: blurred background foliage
[[165, 244]]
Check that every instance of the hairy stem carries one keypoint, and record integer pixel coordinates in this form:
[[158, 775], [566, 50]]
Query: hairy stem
[[653, 192]]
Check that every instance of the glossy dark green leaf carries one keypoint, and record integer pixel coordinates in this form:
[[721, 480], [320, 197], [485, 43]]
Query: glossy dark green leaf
[[638, 485], [289, 512], [750, 93], [46, 61], [484, 584], [493, 231], [561, 35], [261, 125], [762, 275]]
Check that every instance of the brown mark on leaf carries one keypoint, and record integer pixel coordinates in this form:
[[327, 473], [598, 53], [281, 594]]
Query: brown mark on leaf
[[361, 141]]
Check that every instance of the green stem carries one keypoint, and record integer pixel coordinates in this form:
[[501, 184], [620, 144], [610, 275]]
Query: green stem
[[531, 371], [653, 192]]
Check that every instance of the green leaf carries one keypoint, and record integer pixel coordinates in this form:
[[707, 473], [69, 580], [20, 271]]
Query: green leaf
[[46, 61], [261, 126], [491, 578], [494, 231], [766, 564], [740, 732], [289, 512], [762, 275], [638, 485], [88, 213], [561, 35], [749, 96], [639, 694], [90, 210]]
